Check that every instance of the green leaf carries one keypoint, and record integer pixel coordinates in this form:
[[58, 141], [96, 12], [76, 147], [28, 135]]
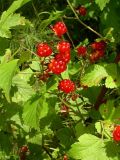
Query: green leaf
[[31, 112], [112, 150], [65, 74], [110, 83], [113, 78], [37, 139], [52, 83], [5, 143], [25, 56], [94, 75], [94, 91], [116, 117], [102, 3], [110, 18], [24, 90], [35, 66], [89, 147], [98, 127], [9, 20], [107, 110], [34, 109], [63, 135], [53, 16], [4, 43], [73, 68], [82, 129], [7, 71]]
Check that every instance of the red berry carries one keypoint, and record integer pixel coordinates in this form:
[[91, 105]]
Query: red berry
[[57, 66], [65, 57], [64, 109], [98, 45], [96, 55], [65, 157], [116, 133], [43, 50], [74, 97], [93, 57], [24, 149], [82, 11], [66, 86], [44, 77], [63, 47], [82, 50], [100, 53], [59, 28]]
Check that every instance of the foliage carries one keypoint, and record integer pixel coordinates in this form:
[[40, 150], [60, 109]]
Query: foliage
[[38, 120]]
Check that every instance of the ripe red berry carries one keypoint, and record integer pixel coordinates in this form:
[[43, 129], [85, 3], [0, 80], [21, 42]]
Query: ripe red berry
[[65, 57], [82, 11], [59, 28], [43, 50], [98, 45], [66, 86], [116, 133], [65, 157], [96, 55], [82, 50], [24, 149], [57, 66], [63, 47]]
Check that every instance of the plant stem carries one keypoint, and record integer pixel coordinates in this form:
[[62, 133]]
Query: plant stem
[[88, 27], [69, 36], [68, 105], [100, 97], [30, 51], [46, 150]]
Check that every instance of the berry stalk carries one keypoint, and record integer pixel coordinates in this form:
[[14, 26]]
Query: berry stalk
[[88, 27]]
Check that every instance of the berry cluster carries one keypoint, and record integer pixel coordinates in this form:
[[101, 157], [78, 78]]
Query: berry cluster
[[66, 86], [98, 50], [58, 64]]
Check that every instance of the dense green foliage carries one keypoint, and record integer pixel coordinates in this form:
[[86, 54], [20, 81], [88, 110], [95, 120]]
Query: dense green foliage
[[32, 111]]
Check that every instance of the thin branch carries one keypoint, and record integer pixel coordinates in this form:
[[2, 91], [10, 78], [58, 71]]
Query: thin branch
[[68, 105], [88, 27]]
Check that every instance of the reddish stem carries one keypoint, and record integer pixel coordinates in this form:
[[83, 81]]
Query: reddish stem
[[100, 97]]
